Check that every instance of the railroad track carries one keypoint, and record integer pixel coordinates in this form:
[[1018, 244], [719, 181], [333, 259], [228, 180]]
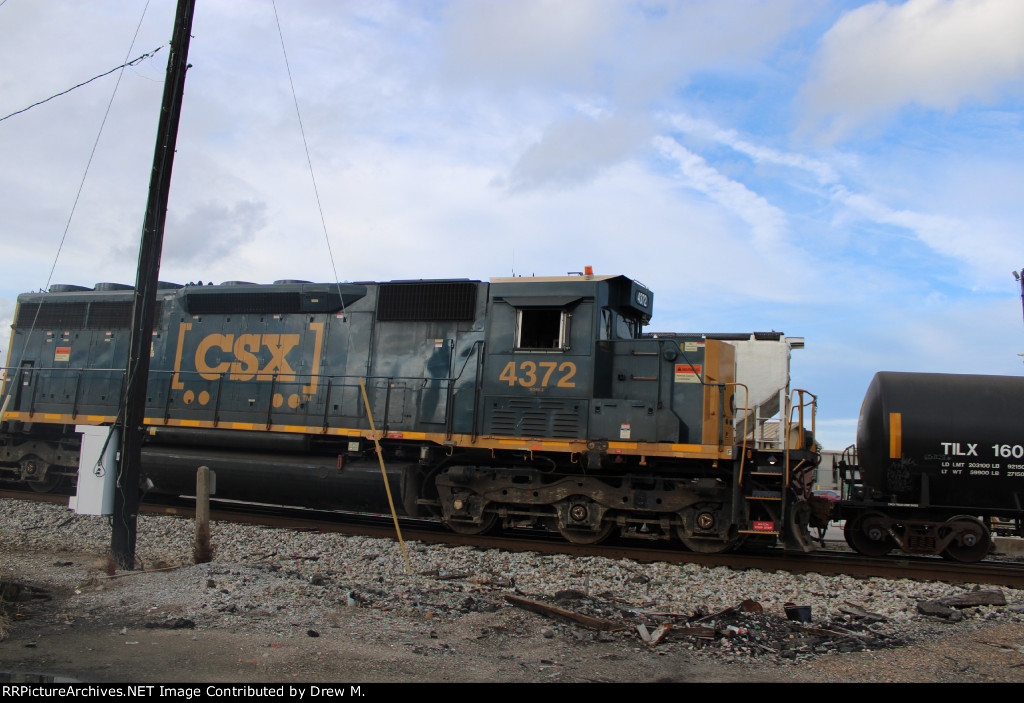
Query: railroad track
[[826, 562]]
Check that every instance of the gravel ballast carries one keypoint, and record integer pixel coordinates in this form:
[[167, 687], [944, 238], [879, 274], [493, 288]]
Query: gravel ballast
[[275, 583]]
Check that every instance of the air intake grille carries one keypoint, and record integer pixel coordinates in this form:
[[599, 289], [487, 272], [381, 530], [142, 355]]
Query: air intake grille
[[77, 316], [68, 316], [426, 302], [110, 315]]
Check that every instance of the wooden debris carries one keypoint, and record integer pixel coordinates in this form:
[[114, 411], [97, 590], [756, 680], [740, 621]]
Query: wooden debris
[[969, 600], [707, 633], [554, 611], [858, 612], [930, 607], [659, 634], [644, 634], [944, 607]]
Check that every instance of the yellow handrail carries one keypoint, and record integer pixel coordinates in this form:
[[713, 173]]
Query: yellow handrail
[[387, 486]]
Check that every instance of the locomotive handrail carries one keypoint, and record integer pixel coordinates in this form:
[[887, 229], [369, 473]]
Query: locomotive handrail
[[72, 383], [743, 449], [801, 434], [800, 408]]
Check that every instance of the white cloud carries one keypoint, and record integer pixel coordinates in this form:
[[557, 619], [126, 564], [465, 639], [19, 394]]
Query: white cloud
[[574, 150], [632, 52], [983, 249], [767, 222], [529, 40], [821, 170], [936, 53]]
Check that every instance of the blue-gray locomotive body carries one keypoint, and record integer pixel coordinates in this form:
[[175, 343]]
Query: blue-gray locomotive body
[[519, 401]]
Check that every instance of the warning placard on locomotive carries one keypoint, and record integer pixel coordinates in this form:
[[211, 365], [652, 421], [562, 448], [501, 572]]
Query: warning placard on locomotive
[[688, 373]]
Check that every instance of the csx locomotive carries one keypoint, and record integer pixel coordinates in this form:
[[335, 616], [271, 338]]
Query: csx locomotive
[[524, 401]]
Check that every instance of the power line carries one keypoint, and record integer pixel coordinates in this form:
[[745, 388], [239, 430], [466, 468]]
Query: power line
[[64, 92]]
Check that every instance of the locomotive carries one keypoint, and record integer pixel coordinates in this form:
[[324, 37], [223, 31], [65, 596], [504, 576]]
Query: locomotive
[[518, 402], [938, 456]]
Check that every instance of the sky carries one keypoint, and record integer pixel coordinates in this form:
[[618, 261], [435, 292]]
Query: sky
[[845, 172]]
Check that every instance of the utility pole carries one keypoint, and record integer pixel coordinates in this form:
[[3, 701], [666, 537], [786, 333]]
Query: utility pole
[[126, 497], [1019, 277]]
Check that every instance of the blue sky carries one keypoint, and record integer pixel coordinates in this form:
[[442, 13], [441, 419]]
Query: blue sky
[[842, 171]]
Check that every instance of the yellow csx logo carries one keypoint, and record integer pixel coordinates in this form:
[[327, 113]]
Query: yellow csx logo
[[246, 364], [248, 357]]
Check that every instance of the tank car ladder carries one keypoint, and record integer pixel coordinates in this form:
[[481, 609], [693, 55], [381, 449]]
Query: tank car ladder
[[848, 470]]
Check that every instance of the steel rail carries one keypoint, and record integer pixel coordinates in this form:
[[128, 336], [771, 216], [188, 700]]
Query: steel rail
[[824, 562]]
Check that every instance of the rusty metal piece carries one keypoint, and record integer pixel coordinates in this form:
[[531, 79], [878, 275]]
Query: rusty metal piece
[[747, 606]]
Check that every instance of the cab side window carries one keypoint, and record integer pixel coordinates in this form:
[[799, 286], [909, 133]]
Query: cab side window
[[541, 329]]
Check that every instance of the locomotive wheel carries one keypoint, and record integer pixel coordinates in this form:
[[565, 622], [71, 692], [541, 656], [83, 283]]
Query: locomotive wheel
[[973, 545], [472, 528], [867, 538], [33, 466], [578, 536], [45, 486]]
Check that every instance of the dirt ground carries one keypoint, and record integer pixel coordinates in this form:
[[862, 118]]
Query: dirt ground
[[52, 636]]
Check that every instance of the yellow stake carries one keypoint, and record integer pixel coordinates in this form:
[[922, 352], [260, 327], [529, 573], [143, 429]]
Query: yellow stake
[[387, 487]]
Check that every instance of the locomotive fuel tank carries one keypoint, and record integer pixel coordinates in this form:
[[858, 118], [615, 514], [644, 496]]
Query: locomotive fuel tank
[[943, 440]]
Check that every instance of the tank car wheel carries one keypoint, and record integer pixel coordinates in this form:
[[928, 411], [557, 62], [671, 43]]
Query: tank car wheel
[[578, 536], [973, 545], [472, 528], [867, 535]]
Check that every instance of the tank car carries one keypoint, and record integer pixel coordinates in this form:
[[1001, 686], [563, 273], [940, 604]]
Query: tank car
[[516, 402], [938, 457]]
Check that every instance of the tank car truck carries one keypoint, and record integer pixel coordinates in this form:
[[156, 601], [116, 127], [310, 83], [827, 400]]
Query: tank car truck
[[519, 402], [938, 456]]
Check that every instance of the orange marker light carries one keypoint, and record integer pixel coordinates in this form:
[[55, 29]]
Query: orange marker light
[[588, 270]]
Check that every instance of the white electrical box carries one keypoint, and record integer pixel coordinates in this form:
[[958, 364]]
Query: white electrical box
[[97, 470]]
